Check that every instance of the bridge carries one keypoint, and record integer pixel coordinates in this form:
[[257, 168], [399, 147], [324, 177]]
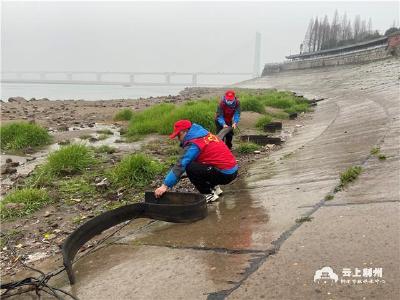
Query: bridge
[[115, 78], [131, 78]]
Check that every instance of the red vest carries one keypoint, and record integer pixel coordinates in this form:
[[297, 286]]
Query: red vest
[[228, 111], [214, 152]]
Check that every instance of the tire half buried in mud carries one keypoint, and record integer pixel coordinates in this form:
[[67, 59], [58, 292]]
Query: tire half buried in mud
[[171, 207]]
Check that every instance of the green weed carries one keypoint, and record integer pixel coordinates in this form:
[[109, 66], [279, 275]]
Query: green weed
[[304, 219], [252, 104], [21, 135], [23, 202], [136, 170], [76, 188], [123, 115], [245, 148], [264, 120], [71, 159], [348, 176], [161, 118], [375, 151], [329, 197]]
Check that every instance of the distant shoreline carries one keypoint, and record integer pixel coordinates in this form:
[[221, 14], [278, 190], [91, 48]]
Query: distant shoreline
[[62, 114]]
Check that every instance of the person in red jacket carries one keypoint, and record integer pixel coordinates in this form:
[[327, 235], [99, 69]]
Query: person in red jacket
[[228, 114], [207, 161]]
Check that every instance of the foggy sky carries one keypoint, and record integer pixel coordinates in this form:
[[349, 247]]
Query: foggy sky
[[164, 36]]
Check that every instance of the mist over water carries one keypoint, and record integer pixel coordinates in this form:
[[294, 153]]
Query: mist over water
[[108, 92], [138, 36], [84, 92]]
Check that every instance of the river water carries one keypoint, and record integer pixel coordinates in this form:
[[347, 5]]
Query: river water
[[104, 92], [86, 92]]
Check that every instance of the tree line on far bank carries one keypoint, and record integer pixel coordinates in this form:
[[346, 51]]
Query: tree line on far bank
[[341, 31]]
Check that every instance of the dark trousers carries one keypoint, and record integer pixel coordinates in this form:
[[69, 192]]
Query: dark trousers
[[228, 137], [205, 177]]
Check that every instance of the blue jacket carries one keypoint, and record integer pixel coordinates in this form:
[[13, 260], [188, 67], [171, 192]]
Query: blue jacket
[[220, 113], [191, 152]]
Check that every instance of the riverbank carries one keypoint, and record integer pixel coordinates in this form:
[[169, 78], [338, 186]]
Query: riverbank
[[61, 114], [41, 234]]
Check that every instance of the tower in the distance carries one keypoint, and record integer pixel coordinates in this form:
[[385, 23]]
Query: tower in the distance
[[256, 69]]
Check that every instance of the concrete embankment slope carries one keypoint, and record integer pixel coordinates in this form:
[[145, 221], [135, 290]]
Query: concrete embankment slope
[[359, 228], [250, 246]]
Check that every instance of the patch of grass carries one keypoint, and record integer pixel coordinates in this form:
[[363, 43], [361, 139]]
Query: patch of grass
[[136, 170], [21, 135], [149, 120], [382, 156], [301, 107], [161, 118], [245, 148], [40, 177], [71, 159], [23, 202], [284, 100], [276, 99], [105, 149], [76, 188], [264, 120], [329, 197], [105, 131], [279, 115], [123, 115], [248, 103], [304, 219], [375, 151], [348, 176]]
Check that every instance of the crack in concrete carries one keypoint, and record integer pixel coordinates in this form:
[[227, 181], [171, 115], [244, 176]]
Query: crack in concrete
[[258, 261], [353, 203], [213, 249]]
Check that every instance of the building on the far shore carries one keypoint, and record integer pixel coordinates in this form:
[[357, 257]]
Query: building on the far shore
[[376, 49]]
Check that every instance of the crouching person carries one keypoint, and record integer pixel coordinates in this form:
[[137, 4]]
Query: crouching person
[[207, 161]]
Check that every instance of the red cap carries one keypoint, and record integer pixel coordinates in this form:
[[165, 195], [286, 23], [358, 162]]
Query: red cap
[[230, 95], [179, 126]]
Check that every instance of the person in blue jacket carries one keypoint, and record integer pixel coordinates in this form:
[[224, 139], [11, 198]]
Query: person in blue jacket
[[207, 161], [228, 114]]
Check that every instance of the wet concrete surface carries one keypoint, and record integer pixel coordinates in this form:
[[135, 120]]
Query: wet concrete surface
[[250, 246], [172, 271]]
